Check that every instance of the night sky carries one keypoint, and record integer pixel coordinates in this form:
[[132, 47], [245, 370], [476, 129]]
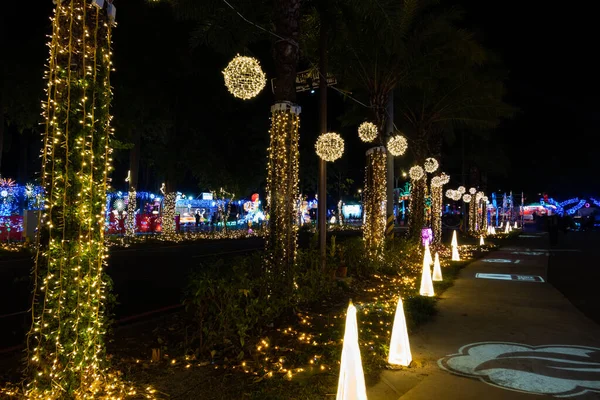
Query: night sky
[[549, 52]]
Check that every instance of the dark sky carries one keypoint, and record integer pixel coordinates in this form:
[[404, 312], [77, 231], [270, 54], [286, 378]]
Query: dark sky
[[549, 50]]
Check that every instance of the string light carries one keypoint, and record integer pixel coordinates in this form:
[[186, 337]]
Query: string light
[[444, 178], [367, 131], [466, 198], [416, 173], [437, 200], [374, 202], [461, 190], [282, 192], [397, 145], [130, 221], [168, 214], [244, 77], [330, 146], [472, 190], [431, 165], [65, 345]]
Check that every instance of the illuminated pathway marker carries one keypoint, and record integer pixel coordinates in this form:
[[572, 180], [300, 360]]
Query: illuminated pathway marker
[[555, 370]]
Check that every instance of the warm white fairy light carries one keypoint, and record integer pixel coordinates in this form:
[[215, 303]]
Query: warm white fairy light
[[397, 145], [330, 146], [431, 165], [466, 198], [457, 195], [436, 181], [416, 172], [472, 190], [367, 132], [244, 77], [461, 190], [450, 193], [444, 178], [400, 353]]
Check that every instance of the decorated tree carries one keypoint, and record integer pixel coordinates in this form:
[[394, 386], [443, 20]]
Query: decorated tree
[[66, 352]]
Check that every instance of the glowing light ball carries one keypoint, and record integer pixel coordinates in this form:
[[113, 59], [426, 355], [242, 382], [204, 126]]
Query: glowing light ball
[[431, 164], [450, 193], [472, 190], [416, 173], [367, 131], [119, 205], [479, 196], [4, 193], [485, 198], [351, 383], [437, 269], [461, 190], [466, 198], [436, 181], [457, 195], [397, 145], [507, 228], [426, 283], [444, 178], [399, 344], [330, 146], [244, 78]]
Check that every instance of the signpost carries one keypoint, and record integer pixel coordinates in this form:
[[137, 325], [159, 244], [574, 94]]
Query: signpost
[[308, 80]]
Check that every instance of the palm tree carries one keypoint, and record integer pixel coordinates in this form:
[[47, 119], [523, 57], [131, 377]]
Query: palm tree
[[464, 95]]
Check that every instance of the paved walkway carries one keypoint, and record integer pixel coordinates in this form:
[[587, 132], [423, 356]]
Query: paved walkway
[[495, 333]]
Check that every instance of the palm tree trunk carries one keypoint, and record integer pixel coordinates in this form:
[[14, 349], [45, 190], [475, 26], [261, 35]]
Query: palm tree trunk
[[283, 160]]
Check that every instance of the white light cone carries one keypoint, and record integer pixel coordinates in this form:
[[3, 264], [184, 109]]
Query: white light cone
[[481, 240], [516, 225], [501, 224], [507, 228], [399, 345], [351, 384], [455, 256], [493, 230], [427, 256], [426, 283], [454, 241], [437, 269]]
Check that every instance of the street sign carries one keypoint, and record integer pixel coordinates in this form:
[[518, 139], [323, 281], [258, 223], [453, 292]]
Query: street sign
[[307, 80], [510, 277]]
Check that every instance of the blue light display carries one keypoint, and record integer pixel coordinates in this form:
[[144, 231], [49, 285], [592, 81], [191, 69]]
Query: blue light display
[[573, 210]]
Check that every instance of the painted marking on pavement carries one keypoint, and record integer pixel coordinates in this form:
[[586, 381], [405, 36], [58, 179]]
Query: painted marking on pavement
[[500, 260], [509, 277], [555, 370]]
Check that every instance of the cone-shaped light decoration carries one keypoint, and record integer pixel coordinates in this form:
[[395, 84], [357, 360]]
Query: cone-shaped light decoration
[[399, 345], [493, 230], [454, 241], [426, 283], [481, 240], [455, 256], [516, 225], [351, 385], [437, 269], [507, 228], [501, 223], [428, 255]]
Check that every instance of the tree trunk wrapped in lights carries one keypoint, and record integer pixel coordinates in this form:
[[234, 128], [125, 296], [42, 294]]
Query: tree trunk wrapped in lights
[[473, 216], [130, 221], [66, 352], [374, 201], [282, 192], [436, 212], [416, 212], [484, 220], [168, 214]]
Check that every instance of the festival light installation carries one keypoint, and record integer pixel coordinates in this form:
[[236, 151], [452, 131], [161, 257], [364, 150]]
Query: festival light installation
[[507, 228], [472, 191], [397, 145], [244, 78], [454, 242], [418, 187], [367, 131], [65, 346], [374, 202], [351, 382], [400, 353], [437, 269], [466, 198], [437, 202], [516, 225], [282, 192], [431, 165], [461, 190], [130, 221], [427, 255], [473, 205], [481, 243], [416, 173], [330, 146], [455, 255], [168, 215], [426, 288]]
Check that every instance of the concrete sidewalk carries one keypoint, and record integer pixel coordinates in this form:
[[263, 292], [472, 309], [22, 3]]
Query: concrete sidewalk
[[516, 316]]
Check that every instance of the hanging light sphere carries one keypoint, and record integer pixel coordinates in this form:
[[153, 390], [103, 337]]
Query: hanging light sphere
[[466, 198], [416, 173], [479, 196], [457, 195], [431, 164], [450, 193], [461, 190], [444, 179], [485, 198], [244, 77], [330, 146], [397, 145], [367, 131], [436, 181], [472, 190]]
